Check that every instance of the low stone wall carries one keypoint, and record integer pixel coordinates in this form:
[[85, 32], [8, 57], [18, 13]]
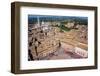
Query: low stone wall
[[81, 52]]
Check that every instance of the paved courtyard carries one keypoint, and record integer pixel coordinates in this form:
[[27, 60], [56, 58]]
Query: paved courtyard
[[63, 53]]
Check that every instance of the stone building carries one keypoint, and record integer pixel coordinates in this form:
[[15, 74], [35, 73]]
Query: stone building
[[70, 24], [42, 41]]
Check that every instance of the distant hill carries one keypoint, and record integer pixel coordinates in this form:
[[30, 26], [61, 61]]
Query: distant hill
[[33, 19]]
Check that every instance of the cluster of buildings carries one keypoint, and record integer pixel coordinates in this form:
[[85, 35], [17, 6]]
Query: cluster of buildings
[[81, 31], [41, 41], [45, 38]]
